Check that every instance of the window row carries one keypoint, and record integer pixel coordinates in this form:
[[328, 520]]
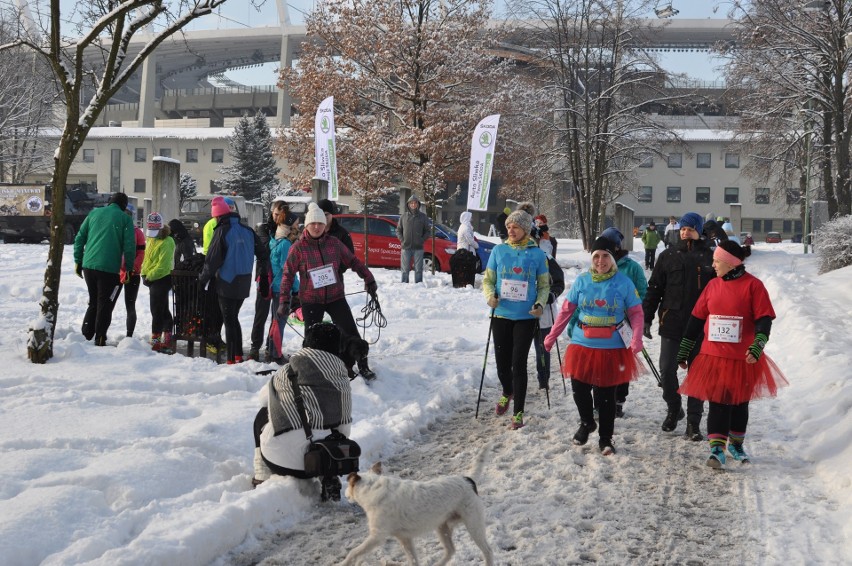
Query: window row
[[702, 161], [140, 155], [731, 195], [761, 225]]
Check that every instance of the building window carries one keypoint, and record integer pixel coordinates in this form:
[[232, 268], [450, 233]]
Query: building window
[[217, 156], [647, 161], [702, 195], [165, 152], [732, 195], [702, 161], [140, 155], [761, 195], [675, 160], [138, 185], [756, 226], [672, 194], [88, 156], [788, 226], [646, 194], [732, 160], [192, 156], [115, 170], [794, 196], [767, 226]]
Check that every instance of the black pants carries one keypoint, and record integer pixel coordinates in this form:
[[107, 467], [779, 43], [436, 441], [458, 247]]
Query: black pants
[[650, 256], [587, 397], [668, 375], [722, 419], [542, 358], [233, 330], [512, 341], [339, 311], [212, 314], [161, 314], [103, 290], [261, 313], [131, 291]]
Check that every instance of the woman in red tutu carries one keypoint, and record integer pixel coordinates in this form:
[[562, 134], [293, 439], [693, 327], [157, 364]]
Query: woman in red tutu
[[596, 359], [736, 315]]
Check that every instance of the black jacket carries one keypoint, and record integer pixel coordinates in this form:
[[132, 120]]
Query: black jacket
[[680, 275]]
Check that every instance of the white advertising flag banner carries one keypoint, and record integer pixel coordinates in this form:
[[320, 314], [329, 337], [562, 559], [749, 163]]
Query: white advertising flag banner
[[481, 161], [324, 146]]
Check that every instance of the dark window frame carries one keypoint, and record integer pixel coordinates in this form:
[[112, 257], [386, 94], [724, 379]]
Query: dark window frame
[[699, 164], [675, 160], [649, 198], [670, 194], [701, 191], [140, 154], [727, 198]]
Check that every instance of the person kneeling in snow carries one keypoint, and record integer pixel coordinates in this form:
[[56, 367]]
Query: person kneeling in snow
[[323, 379]]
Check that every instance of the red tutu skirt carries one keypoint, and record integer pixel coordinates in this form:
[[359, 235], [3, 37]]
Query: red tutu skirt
[[732, 382], [601, 367]]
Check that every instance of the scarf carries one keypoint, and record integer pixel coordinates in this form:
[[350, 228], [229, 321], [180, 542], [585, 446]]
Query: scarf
[[598, 277]]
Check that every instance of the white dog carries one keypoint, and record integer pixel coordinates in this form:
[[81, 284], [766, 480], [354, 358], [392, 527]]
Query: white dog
[[406, 508]]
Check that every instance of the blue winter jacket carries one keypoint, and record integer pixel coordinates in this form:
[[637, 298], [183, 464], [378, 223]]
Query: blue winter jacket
[[278, 250], [230, 258], [523, 262]]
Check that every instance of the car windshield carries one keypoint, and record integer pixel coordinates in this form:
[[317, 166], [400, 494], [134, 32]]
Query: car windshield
[[446, 229]]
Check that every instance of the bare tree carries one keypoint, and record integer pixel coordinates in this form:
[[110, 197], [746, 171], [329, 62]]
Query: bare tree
[[410, 80], [96, 58], [791, 69], [602, 83], [26, 96]]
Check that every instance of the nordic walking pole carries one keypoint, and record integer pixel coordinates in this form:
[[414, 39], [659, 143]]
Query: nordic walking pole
[[484, 363], [559, 356], [538, 341], [653, 367]]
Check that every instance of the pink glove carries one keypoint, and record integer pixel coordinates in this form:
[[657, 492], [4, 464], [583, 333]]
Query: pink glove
[[549, 341], [636, 345]]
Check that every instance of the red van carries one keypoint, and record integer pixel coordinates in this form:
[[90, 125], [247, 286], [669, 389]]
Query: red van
[[385, 248]]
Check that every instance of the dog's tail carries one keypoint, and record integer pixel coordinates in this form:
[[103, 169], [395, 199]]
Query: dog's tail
[[475, 471]]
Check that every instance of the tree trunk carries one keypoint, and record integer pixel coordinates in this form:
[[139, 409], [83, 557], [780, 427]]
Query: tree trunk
[[40, 343]]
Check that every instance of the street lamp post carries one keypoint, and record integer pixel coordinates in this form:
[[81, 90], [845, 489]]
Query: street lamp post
[[807, 224]]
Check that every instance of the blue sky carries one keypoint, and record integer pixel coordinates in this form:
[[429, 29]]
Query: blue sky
[[240, 13]]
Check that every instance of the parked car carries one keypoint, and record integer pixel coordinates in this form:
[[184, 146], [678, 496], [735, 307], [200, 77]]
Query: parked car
[[746, 239], [773, 237], [195, 212], [385, 249], [447, 233]]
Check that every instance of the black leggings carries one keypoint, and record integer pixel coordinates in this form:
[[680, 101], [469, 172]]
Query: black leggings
[[161, 315], [604, 400], [233, 330], [103, 293], [512, 341], [722, 419], [339, 311], [131, 291]]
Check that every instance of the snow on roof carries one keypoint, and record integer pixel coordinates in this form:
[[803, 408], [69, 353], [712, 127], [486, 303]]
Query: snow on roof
[[161, 133], [705, 134], [166, 159]]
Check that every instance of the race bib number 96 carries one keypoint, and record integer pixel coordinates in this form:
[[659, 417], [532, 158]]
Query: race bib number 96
[[513, 290]]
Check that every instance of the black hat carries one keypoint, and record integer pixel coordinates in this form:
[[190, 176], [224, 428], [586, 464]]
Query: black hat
[[120, 199], [327, 206], [605, 244], [323, 336], [734, 249]]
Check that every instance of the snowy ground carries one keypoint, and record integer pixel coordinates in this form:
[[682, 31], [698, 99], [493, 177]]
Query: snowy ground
[[118, 455]]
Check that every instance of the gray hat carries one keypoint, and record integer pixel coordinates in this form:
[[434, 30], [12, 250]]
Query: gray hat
[[522, 219]]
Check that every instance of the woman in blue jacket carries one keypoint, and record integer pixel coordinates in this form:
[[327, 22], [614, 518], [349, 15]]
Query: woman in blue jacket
[[516, 285]]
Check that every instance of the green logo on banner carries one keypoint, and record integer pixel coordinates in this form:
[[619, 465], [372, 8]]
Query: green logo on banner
[[324, 126], [485, 139]]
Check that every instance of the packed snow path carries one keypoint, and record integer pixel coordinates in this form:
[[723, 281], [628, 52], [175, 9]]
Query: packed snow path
[[549, 502]]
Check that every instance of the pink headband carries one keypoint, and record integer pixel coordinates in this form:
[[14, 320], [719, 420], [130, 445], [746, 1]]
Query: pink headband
[[722, 255]]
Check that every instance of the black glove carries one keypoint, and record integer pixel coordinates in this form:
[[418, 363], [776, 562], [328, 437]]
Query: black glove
[[263, 285], [283, 310], [78, 269], [756, 348], [686, 346], [372, 288], [647, 331]]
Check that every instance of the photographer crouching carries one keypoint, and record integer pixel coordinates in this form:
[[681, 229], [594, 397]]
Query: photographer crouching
[[309, 393]]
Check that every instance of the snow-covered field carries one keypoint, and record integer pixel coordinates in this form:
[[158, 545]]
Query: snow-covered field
[[118, 455]]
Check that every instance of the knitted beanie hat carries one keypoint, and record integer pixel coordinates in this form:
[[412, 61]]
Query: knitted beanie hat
[[606, 245], [314, 214], [692, 220], [522, 219], [327, 206], [218, 207], [154, 225], [614, 235]]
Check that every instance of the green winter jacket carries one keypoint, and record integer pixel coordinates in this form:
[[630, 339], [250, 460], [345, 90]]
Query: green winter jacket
[[105, 236], [159, 256], [651, 239]]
